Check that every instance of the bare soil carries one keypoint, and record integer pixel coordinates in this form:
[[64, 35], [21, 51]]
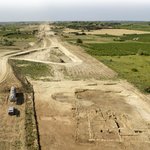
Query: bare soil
[[117, 32], [91, 114]]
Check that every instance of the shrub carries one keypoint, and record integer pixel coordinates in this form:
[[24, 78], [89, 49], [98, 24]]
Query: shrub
[[79, 41], [134, 70], [6, 42], [147, 89], [140, 52]]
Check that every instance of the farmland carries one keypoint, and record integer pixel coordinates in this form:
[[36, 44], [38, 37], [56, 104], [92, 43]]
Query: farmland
[[127, 54], [118, 49], [130, 60]]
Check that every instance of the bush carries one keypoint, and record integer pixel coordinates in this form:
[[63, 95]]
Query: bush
[[134, 70], [6, 42], [147, 89], [140, 52], [79, 41], [119, 39]]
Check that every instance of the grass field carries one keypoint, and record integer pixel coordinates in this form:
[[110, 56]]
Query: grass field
[[136, 69], [16, 36], [117, 49], [87, 25], [136, 37], [142, 26], [33, 70], [131, 60]]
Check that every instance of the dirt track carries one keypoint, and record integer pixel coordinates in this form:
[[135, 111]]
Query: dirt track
[[3, 68], [77, 110]]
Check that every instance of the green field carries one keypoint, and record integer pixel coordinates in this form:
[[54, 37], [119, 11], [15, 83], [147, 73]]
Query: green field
[[128, 55], [16, 36], [136, 69], [143, 26], [32, 69], [131, 60], [117, 49]]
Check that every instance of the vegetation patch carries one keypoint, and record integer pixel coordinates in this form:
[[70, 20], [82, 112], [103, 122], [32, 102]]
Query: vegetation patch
[[79, 41], [136, 69], [95, 25], [135, 37], [16, 35], [143, 26], [117, 49], [6, 42], [33, 69]]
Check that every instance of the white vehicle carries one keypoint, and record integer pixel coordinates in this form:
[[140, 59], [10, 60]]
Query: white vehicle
[[12, 96], [11, 111]]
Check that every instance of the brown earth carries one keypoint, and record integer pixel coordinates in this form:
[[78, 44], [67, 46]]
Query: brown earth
[[116, 32], [91, 115]]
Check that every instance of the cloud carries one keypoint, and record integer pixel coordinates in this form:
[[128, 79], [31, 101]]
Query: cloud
[[21, 3], [66, 3], [12, 10]]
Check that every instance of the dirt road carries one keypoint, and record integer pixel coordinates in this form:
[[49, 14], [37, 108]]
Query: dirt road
[[3, 68]]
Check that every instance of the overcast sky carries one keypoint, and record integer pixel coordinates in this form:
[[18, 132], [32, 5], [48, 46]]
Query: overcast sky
[[54, 10]]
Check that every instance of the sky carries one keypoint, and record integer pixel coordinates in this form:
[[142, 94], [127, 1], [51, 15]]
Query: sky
[[74, 10]]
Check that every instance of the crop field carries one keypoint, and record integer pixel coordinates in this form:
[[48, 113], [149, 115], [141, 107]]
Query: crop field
[[134, 37], [142, 26], [128, 55], [118, 49], [130, 60]]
